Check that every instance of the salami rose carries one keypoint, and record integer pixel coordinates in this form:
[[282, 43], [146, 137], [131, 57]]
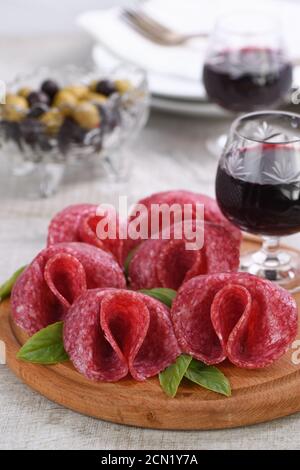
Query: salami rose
[[168, 263], [81, 223], [109, 333], [237, 316], [56, 277], [64, 225]]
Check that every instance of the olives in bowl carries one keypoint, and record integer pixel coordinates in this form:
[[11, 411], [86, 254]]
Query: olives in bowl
[[52, 120]]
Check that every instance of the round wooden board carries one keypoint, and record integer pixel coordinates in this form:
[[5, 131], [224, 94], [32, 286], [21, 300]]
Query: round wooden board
[[258, 395]]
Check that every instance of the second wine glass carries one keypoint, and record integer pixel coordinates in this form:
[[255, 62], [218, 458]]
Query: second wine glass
[[246, 67]]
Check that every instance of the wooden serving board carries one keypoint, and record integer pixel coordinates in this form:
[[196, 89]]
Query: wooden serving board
[[258, 395]]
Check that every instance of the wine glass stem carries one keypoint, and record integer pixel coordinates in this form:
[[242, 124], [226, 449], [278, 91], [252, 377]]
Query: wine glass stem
[[272, 262], [270, 254], [270, 246]]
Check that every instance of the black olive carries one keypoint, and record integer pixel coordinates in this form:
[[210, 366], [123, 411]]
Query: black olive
[[31, 129], [12, 132], [105, 87], [50, 88], [37, 110], [70, 132], [37, 97], [44, 142]]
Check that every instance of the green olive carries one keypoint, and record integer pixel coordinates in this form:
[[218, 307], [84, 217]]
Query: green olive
[[65, 101], [93, 85], [79, 91], [53, 120], [123, 86], [87, 115], [15, 100], [96, 98], [15, 107], [24, 92]]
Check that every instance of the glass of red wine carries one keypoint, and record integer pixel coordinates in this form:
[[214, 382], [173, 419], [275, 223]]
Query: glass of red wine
[[246, 66], [258, 189]]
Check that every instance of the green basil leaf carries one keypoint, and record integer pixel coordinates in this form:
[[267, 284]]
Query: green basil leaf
[[163, 294], [6, 288], [208, 377], [171, 377], [45, 347]]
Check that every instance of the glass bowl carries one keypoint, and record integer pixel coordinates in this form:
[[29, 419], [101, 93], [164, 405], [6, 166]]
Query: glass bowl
[[46, 146]]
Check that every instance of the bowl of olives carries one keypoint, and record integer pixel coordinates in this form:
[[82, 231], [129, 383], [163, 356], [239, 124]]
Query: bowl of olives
[[52, 121]]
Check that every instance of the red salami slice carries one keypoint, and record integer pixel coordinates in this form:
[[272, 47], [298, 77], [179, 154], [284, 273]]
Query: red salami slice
[[56, 277], [212, 212], [249, 320], [81, 223], [168, 263], [89, 232], [109, 333], [64, 225]]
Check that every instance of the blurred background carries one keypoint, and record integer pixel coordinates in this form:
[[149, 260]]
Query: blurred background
[[100, 35], [29, 17], [179, 145]]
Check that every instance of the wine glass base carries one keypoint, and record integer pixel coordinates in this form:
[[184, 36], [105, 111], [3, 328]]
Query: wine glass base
[[282, 267]]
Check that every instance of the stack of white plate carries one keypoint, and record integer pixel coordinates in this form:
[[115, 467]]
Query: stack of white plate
[[174, 73]]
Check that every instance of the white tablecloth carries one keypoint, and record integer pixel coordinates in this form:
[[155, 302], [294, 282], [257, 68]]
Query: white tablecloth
[[170, 153]]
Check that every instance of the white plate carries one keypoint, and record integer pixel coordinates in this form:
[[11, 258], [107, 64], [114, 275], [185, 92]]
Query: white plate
[[159, 85], [187, 108], [105, 62]]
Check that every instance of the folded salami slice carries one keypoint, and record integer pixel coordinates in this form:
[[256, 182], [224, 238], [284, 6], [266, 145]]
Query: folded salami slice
[[56, 277], [212, 212], [64, 225], [109, 333], [242, 317], [168, 263], [81, 223]]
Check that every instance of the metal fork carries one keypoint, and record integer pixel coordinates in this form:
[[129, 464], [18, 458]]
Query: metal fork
[[155, 31]]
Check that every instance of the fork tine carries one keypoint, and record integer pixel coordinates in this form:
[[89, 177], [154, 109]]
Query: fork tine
[[145, 20], [143, 30], [136, 20], [154, 30]]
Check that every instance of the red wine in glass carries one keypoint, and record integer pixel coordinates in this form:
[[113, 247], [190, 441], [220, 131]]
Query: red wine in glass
[[262, 204], [258, 189], [248, 78]]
